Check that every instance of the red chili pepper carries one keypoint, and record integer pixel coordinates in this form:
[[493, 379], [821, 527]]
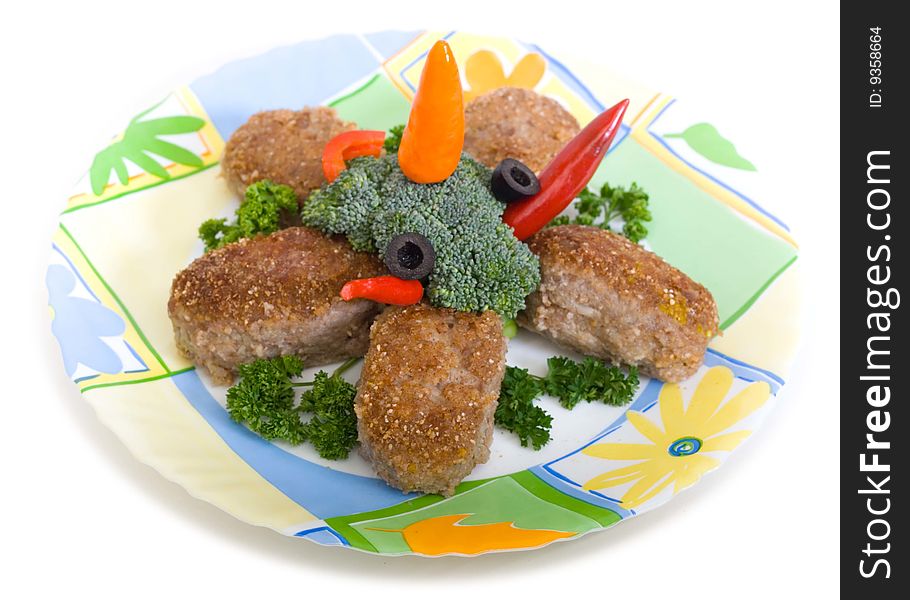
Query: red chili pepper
[[348, 145], [566, 175], [386, 289]]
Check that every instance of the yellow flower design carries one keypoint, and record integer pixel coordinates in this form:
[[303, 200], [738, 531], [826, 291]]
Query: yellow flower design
[[484, 73], [676, 454]]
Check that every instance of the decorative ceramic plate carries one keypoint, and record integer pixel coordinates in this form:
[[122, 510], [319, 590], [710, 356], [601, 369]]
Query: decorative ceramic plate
[[131, 223]]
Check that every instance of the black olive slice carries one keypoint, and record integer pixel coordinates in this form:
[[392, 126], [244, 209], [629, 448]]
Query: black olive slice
[[410, 256], [513, 180]]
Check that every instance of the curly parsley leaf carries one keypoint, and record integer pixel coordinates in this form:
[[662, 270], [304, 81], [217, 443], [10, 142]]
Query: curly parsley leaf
[[571, 382], [599, 209], [393, 139], [333, 428], [264, 400], [590, 380], [516, 411], [264, 205]]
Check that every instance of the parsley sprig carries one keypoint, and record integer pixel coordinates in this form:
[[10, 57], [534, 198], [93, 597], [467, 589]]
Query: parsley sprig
[[264, 400], [264, 206], [393, 138], [600, 208], [571, 382], [590, 380], [516, 411]]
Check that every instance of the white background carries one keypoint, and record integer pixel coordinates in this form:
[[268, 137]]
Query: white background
[[80, 515]]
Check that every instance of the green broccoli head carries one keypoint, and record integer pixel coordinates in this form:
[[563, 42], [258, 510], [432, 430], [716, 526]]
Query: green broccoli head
[[480, 265]]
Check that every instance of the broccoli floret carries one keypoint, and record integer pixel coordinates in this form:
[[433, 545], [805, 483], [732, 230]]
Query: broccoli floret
[[480, 265]]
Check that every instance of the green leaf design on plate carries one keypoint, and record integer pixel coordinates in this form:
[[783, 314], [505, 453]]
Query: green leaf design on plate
[[707, 141], [140, 138]]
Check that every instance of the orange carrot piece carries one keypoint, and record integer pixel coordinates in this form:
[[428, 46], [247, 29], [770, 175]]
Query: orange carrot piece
[[432, 141]]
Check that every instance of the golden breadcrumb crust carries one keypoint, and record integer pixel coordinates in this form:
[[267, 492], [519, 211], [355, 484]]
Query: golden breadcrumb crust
[[427, 395], [272, 295], [606, 296], [517, 123], [284, 146]]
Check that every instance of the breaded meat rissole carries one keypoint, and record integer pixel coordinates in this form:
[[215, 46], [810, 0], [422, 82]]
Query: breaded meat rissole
[[271, 296], [427, 395], [603, 295], [516, 123], [284, 146]]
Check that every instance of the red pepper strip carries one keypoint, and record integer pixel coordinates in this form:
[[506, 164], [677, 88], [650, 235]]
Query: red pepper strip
[[386, 289], [371, 148], [348, 145], [566, 175]]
